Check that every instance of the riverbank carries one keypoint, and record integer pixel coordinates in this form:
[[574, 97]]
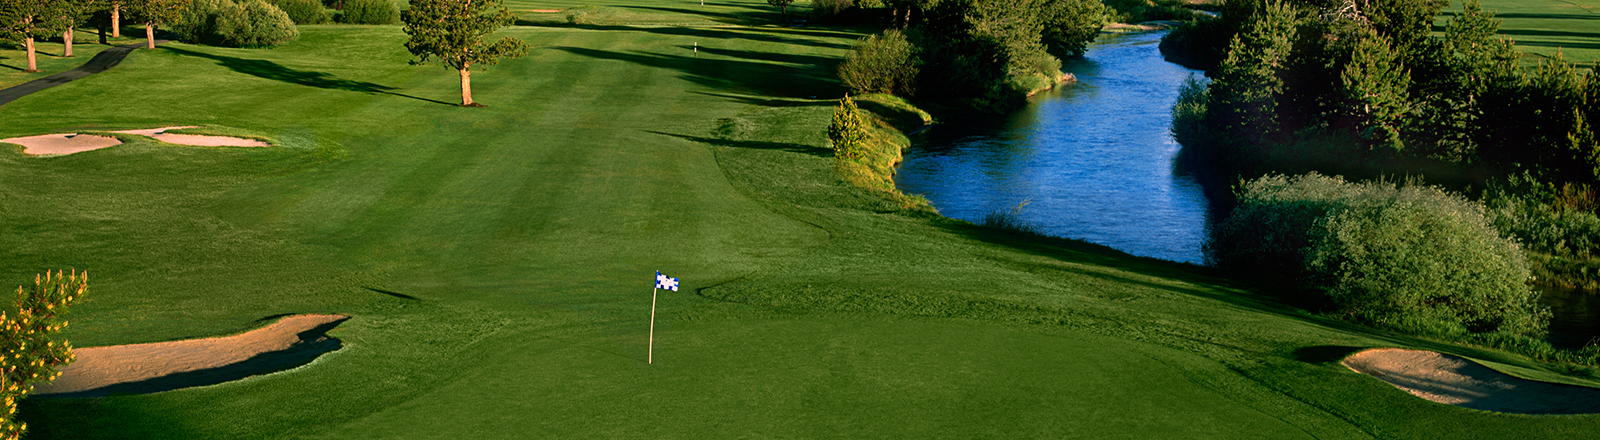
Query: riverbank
[[496, 263]]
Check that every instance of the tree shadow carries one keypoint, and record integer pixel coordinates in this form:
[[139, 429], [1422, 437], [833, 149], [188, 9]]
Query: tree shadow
[[1545, 33], [761, 78], [1559, 44], [808, 60], [747, 34], [278, 72], [393, 294], [757, 145], [1535, 16], [766, 102], [313, 343], [1323, 354]]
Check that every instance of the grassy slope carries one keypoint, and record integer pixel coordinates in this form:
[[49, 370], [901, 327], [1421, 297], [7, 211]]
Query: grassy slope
[[1542, 27], [527, 232]]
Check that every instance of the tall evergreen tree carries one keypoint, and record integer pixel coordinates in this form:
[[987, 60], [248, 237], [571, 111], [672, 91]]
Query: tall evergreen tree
[[1244, 95], [1374, 88], [453, 31]]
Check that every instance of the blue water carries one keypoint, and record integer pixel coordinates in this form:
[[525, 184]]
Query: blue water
[[1094, 160]]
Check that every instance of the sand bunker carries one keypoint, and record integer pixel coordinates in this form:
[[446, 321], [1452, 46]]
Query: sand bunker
[[163, 366], [1453, 380], [77, 143], [62, 143], [546, 11], [161, 134]]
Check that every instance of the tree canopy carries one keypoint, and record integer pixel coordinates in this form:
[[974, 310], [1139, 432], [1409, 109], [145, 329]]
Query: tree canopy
[[452, 32]]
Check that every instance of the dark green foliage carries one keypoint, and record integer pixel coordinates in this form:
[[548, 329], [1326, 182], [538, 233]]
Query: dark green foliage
[[884, 63], [304, 11], [989, 54], [1070, 25], [254, 23], [369, 12], [251, 23], [198, 24], [1243, 102], [453, 31], [1411, 258], [847, 133], [1374, 88], [1406, 23], [1189, 114]]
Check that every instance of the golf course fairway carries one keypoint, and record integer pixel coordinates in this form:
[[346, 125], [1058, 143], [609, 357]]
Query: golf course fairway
[[496, 263]]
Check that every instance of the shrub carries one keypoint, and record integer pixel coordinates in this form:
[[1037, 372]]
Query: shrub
[[1011, 220], [199, 22], [1412, 258], [846, 133], [369, 12], [255, 23], [885, 63], [304, 11], [831, 7], [27, 355]]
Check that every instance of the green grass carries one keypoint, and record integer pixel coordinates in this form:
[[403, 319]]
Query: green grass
[[528, 233], [1540, 28]]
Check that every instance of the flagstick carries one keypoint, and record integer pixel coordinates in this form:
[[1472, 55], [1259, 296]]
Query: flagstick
[[650, 358]]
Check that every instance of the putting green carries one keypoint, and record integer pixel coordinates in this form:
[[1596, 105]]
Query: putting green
[[496, 262]]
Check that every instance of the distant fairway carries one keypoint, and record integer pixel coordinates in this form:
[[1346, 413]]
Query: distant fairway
[[1541, 27], [496, 262]]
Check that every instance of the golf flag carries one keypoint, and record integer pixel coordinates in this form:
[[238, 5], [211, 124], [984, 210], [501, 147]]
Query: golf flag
[[666, 282], [662, 282]]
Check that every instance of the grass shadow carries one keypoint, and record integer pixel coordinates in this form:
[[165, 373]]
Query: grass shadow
[[278, 72], [1323, 354], [758, 145], [766, 35], [393, 294], [760, 78]]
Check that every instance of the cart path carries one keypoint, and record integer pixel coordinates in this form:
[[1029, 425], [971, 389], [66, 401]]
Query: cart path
[[104, 60]]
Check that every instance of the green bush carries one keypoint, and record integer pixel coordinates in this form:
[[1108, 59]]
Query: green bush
[[304, 11], [847, 133], [369, 12], [1410, 258], [885, 63], [255, 23], [198, 24]]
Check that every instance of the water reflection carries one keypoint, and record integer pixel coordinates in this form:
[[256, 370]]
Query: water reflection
[[1095, 160], [1575, 312]]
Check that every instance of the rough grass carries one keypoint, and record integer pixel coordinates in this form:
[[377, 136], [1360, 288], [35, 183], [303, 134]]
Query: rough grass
[[496, 263]]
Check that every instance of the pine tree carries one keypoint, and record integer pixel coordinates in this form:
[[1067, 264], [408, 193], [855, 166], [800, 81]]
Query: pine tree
[[847, 132], [453, 32], [1244, 95], [1374, 89]]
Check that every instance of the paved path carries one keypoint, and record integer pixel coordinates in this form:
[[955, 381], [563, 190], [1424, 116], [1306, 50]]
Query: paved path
[[106, 59]]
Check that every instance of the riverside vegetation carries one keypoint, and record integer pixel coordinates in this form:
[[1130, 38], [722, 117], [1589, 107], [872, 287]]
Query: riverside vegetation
[[495, 261], [1368, 90]]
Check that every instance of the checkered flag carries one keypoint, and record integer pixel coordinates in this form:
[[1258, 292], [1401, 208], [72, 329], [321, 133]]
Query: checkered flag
[[666, 282]]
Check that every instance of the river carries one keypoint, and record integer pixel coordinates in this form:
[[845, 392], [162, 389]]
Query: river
[[1094, 161]]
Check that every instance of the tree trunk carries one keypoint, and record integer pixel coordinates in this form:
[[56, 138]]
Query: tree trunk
[[33, 64], [116, 20], [66, 38], [150, 35], [98, 26], [785, 9], [466, 86]]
